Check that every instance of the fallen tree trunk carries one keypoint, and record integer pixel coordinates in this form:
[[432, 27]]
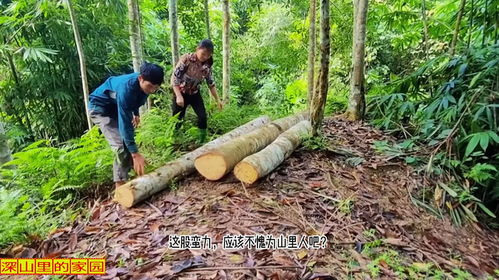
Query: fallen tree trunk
[[144, 186], [262, 163], [215, 163]]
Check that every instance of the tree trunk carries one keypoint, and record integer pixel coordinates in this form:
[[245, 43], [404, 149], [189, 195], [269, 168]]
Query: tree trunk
[[144, 186], [262, 163], [134, 30], [214, 164], [311, 52], [81, 55], [207, 18], [425, 28], [174, 31], [470, 27], [17, 81], [484, 26], [426, 37], [226, 51], [357, 103], [452, 48], [319, 98], [5, 155]]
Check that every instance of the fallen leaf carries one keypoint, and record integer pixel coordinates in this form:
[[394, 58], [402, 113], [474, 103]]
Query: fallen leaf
[[236, 259], [422, 267], [282, 259], [311, 264], [73, 240], [302, 254], [395, 242], [383, 264], [183, 265]]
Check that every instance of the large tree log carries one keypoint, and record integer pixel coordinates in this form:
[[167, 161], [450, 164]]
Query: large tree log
[[215, 163], [144, 186], [262, 163]]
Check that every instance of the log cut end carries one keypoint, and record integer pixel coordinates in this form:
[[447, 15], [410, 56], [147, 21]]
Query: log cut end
[[246, 172], [211, 165], [124, 195]]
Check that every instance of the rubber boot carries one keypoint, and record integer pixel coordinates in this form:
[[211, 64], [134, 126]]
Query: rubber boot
[[202, 136]]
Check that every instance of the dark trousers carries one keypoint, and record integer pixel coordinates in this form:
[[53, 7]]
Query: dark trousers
[[196, 101]]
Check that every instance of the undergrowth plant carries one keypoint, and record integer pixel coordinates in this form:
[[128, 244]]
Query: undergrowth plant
[[449, 104], [40, 182]]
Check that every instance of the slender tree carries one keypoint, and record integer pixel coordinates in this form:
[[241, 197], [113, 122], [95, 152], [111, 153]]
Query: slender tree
[[226, 51], [136, 40], [484, 26], [207, 18], [321, 89], [134, 30], [311, 51], [5, 154], [174, 31], [356, 103], [81, 56], [452, 48], [425, 28]]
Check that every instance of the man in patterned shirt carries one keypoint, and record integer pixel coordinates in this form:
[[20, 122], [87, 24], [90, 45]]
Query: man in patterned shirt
[[190, 71]]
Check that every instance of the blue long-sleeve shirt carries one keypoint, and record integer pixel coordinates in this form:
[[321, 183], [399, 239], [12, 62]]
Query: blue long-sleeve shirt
[[120, 97]]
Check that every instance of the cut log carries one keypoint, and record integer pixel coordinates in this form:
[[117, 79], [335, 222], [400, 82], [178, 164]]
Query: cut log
[[215, 163], [144, 186], [262, 163]]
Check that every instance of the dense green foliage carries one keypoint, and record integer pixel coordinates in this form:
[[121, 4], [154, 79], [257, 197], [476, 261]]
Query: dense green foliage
[[448, 104]]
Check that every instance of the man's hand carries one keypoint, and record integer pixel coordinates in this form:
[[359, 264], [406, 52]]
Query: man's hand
[[136, 121], [138, 163], [180, 100]]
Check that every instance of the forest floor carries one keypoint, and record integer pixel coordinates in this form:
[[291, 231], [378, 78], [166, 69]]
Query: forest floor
[[373, 228]]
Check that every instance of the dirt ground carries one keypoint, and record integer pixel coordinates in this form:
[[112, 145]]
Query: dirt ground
[[364, 208]]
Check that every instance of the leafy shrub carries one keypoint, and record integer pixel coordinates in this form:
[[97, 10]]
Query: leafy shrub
[[450, 104]]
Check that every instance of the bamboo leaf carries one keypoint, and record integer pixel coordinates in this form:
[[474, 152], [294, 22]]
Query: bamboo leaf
[[484, 141], [450, 191], [486, 210], [472, 145]]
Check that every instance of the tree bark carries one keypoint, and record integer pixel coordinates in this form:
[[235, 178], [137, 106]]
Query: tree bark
[[258, 165], [207, 18], [81, 55], [17, 81], [216, 163], [5, 154], [144, 186], [174, 31], [484, 26], [356, 103], [470, 27], [425, 28], [319, 98], [134, 30], [311, 52], [226, 52], [452, 48], [136, 40]]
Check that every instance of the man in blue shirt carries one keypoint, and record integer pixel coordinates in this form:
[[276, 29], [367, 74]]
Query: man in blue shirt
[[114, 107]]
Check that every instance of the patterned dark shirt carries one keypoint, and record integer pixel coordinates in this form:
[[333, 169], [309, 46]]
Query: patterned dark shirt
[[190, 72]]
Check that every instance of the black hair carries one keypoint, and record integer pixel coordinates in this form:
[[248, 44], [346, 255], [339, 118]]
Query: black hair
[[152, 72], [207, 44]]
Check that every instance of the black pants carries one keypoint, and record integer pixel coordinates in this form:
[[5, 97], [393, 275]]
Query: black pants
[[196, 101]]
